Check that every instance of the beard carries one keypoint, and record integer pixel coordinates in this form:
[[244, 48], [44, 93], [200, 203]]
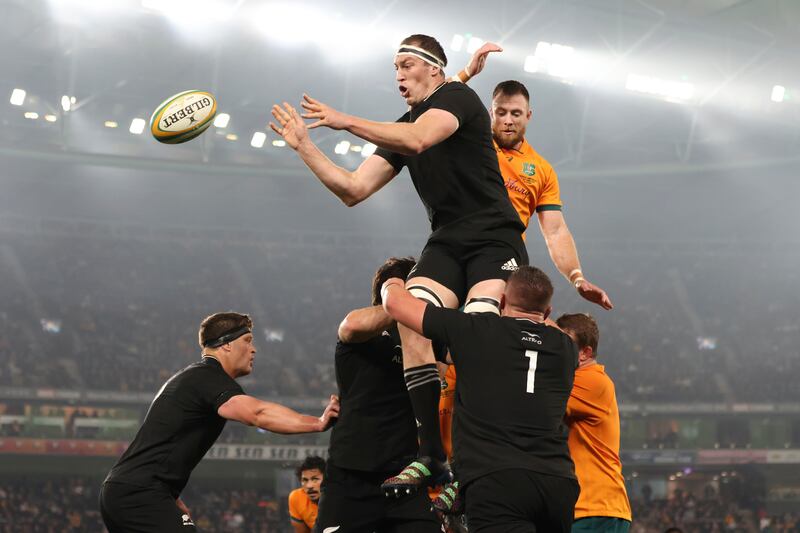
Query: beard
[[506, 142]]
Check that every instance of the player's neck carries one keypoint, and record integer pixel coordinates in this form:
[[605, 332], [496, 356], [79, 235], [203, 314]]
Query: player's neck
[[512, 312], [588, 362], [222, 361], [435, 86]]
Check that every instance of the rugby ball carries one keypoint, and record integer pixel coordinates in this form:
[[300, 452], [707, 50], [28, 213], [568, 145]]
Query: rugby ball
[[183, 116]]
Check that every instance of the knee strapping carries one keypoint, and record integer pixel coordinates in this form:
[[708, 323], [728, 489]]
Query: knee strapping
[[482, 304], [424, 293]]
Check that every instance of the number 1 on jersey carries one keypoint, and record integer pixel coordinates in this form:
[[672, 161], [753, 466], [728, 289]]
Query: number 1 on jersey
[[533, 355]]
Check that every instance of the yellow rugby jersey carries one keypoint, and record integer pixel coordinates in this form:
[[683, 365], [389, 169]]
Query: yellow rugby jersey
[[302, 509], [593, 420], [447, 399], [530, 181]]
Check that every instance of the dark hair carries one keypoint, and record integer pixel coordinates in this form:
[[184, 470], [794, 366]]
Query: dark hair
[[427, 43], [674, 530], [394, 267], [511, 88], [216, 325], [312, 462], [583, 327], [529, 289]]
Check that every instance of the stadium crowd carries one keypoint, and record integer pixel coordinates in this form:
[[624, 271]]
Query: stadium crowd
[[123, 314]]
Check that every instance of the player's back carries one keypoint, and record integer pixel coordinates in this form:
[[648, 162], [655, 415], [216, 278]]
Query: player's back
[[376, 428], [593, 418], [180, 426], [514, 380]]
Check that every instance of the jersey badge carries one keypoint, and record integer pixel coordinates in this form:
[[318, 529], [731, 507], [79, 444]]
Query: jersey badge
[[528, 169]]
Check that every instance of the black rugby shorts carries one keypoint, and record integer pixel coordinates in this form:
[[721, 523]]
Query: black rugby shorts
[[132, 509], [353, 501], [520, 501]]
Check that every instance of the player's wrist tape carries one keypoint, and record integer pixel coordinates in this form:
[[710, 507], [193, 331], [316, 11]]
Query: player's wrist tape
[[578, 282], [464, 76]]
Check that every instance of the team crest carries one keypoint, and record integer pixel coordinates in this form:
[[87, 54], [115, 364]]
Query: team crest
[[528, 169]]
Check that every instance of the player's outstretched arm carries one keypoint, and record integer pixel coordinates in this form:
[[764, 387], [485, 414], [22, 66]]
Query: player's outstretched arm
[[401, 305], [564, 254], [360, 325], [409, 138], [275, 417], [350, 187]]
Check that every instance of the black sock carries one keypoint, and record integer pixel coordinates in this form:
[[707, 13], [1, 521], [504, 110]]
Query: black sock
[[424, 388]]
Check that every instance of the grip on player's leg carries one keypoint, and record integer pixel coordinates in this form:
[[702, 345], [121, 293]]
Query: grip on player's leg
[[424, 293], [482, 304]]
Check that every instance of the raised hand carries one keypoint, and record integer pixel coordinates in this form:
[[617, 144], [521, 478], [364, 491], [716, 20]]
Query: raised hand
[[478, 59], [292, 128], [594, 294], [325, 114]]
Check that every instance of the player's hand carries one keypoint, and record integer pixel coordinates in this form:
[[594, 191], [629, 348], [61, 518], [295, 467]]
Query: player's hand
[[478, 59], [325, 114], [331, 413], [292, 128], [595, 294]]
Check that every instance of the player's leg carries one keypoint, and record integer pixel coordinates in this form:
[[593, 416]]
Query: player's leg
[[488, 265], [437, 279], [131, 509]]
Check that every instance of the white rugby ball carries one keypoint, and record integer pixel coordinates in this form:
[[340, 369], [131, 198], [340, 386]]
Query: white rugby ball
[[183, 116]]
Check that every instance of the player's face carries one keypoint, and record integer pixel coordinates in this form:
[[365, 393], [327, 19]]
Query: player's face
[[243, 352], [310, 480], [510, 116], [413, 77]]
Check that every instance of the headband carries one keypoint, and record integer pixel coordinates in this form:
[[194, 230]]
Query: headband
[[225, 338], [420, 53]]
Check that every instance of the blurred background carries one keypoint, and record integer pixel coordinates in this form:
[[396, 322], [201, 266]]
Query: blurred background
[[673, 126]]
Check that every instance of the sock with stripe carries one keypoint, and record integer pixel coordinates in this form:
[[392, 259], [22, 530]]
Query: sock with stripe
[[424, 388]]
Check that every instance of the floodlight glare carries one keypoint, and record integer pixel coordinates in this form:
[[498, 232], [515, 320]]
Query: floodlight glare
[[50, 118], [671, 90], [368, 149], [222, 120], [137, 126], [258, 139], [31, 115], [66, 102], [110, 124], [778, 93], [231, 136], [279, 143], [342, 147], [473, 44], [457, 43], [17, 97]]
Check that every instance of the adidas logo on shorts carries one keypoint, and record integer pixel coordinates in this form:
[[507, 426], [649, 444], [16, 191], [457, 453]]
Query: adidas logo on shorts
[[511, 264]]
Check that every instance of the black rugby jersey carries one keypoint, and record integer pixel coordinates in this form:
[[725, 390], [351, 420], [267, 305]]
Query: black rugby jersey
[[180, 426], [514, 379], [460, 176], [376, 430]]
